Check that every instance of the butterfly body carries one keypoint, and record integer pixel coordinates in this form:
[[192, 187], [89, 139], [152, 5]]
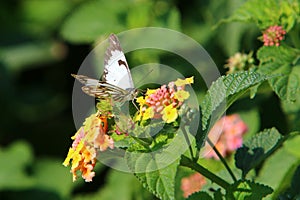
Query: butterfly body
[[116, 81]]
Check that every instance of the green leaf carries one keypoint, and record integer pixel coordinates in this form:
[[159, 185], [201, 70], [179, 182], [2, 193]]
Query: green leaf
[[51, 175], [30, 55], [93, 19], [292, 145], [218, 195], [200, 195], [165, 15], [38, 16], [258, 148], [292, 111], [225, 90], [124, 186], [267, 13], [294, 117], [140, 17], [295, 184], [155, 170], [281, 62], [160, 182], [13, 172], [276, 171], [249, 190]]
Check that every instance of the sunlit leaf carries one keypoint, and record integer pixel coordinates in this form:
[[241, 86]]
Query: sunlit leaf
[[249, 190], [93, 19], [256, 149], [13, 172], [282, 63], [225, 90], [267, 13], [276, 171], [38, 15], [160, 182]]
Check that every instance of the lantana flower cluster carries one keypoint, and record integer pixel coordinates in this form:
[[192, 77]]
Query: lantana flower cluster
[[239, 62], [95, 135], [273, 35], [164, 101], [230, 130], [89, 140]]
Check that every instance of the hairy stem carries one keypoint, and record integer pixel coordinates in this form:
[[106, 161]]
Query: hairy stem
[[222, 159], [187, 162], [188, 142]]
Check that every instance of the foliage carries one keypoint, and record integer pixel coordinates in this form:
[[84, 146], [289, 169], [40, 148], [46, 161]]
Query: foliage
[[226, 90], [43, 42], [257, 149]]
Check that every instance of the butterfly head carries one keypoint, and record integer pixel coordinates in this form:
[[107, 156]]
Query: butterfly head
[[132, 93]]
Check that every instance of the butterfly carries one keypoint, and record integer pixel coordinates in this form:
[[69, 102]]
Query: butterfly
[[116, 81]]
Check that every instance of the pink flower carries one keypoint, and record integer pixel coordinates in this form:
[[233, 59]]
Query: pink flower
[[192, 184], [273, 35], [239, 62], [227, 134], [164, 102]]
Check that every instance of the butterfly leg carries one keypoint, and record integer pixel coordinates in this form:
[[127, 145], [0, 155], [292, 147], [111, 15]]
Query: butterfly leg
[[135, 105]]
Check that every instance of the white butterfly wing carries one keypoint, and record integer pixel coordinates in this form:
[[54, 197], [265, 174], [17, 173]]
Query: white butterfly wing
[[117, 82], [116, 70]]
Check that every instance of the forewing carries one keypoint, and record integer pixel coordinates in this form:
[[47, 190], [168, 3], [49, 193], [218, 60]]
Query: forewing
[[116, 70], [100, 89]]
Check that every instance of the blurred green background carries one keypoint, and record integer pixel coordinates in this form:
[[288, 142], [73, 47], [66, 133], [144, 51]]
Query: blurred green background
[[43, 42]]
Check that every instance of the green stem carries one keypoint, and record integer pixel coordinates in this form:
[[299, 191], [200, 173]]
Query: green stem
[[222, 160], [187, 162], [188, 142], [142, 142]]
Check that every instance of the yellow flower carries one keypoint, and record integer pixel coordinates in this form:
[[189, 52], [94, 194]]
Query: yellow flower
[[138, 116], [93, 129], [140, 100], [182, 95], [88, 123], [169, 114], [88, 139], [76, 158], [149, 113], [190, 80], [69, 157], [83, 159], [182, 82], [149, 91]]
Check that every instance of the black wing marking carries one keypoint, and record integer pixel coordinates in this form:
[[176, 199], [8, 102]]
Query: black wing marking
[[114, 45], [116, 70]]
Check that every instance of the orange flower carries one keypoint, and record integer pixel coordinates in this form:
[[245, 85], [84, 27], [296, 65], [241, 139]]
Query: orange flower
[[89, 139]]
